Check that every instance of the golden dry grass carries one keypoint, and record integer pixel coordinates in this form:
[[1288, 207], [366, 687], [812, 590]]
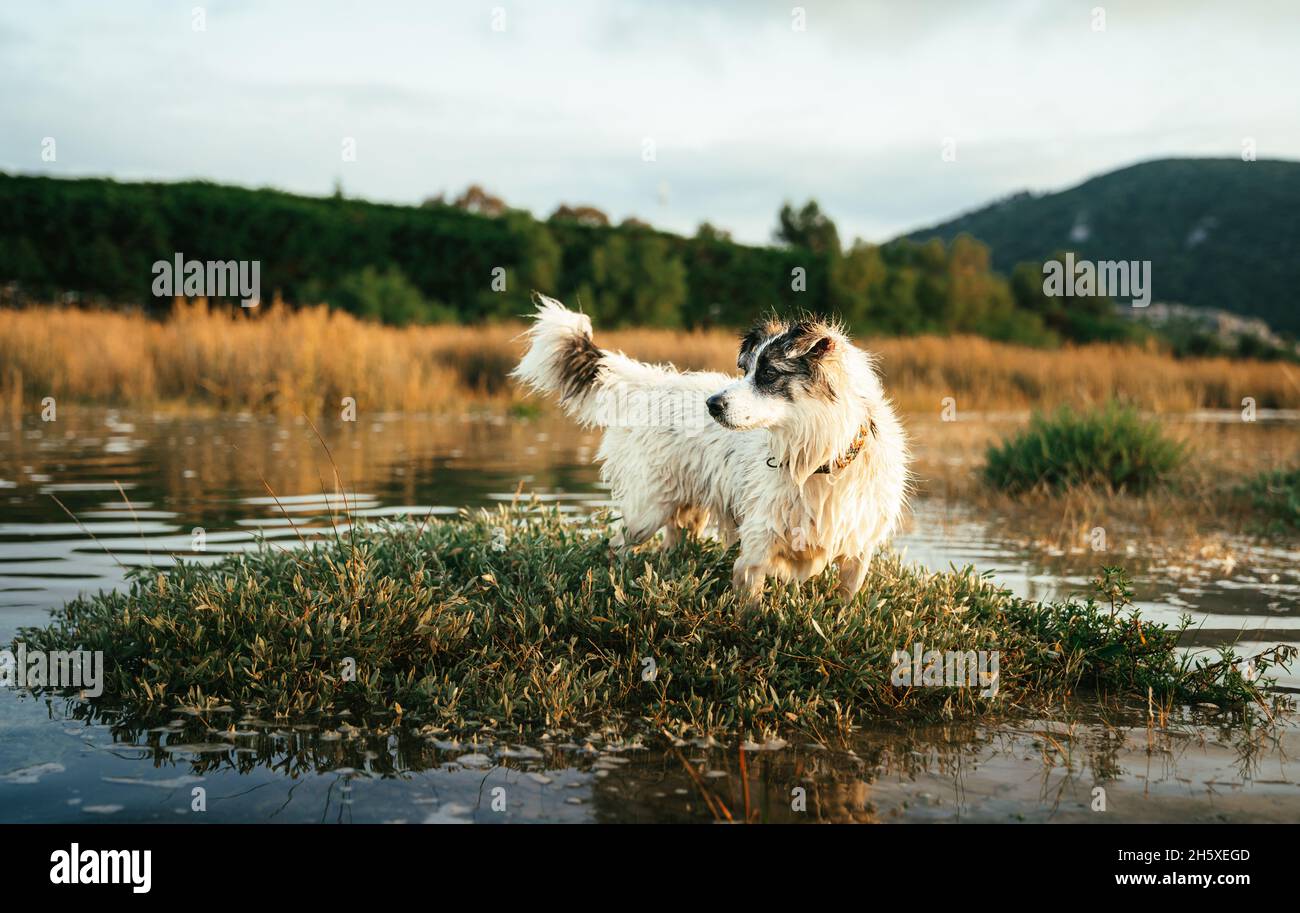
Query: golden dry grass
[[981, 374], [280, 360]]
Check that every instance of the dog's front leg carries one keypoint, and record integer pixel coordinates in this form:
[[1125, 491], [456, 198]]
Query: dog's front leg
[[747, 580], [728, 532], [753, 565], [852, 572]]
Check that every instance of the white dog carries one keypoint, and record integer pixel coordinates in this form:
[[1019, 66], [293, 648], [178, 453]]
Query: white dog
[[802, 458]]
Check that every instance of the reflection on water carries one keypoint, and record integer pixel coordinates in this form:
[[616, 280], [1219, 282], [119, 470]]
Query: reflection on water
[[1205, 769], [149, 488]]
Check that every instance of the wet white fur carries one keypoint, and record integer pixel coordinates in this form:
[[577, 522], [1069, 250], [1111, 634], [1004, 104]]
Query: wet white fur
[[670, 465]]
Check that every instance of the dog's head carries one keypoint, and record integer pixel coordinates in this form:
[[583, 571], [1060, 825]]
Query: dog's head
[[786, 365]]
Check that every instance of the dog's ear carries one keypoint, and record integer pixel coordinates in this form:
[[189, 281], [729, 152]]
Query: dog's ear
[[749, 343], [822, 347], [812, 340]]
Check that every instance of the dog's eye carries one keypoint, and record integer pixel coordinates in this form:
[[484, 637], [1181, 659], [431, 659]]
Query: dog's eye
[[765, 376]]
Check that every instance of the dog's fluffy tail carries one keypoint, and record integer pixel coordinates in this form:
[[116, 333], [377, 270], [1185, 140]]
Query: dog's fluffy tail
[[561, 359], [600, 387]]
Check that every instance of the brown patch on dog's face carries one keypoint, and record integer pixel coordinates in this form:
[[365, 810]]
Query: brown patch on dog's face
[[757, 334]]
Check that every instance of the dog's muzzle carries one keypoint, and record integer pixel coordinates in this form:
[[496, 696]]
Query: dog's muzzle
[[716, 406]]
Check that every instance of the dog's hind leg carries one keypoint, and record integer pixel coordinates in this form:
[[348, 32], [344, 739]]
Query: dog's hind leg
[[748, 580], [687, 522], [672, 536], [641, 520]]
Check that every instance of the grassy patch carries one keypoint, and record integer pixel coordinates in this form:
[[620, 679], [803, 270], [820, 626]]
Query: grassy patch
[[520, 618], [1112, 447]]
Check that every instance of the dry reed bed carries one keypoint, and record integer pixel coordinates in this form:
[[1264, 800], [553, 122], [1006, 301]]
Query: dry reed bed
[[285, 361]]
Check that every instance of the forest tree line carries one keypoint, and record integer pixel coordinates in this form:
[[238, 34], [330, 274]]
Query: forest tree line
[[474, 258]]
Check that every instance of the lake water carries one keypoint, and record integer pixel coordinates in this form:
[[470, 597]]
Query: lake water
[[146, 487]]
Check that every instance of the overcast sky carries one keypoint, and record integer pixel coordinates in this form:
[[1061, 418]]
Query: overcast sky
[[743, 110]]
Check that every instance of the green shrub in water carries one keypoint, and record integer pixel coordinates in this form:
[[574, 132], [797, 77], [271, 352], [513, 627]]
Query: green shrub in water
[[1112, 447]]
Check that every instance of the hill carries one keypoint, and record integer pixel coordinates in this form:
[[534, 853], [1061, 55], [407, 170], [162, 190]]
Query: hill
[[1219, 233]]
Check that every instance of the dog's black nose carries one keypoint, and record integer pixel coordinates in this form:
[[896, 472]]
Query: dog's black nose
[[714, 403]]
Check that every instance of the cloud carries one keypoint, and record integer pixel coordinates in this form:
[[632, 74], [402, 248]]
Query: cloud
[[743, 110]]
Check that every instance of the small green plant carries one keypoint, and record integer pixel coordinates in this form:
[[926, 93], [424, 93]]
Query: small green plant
[[1112, 447], [1276, 495], [522, 617], [1114, 586], [525, 409]]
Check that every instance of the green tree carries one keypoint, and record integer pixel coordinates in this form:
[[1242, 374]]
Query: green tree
[[386, 295], [1081, 318], [22, 262], [808, 228], [636, 279], [858, 282], [537, 261], [707, 231]]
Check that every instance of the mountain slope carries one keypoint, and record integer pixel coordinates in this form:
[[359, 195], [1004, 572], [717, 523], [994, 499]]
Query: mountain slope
[[1219, 232]]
